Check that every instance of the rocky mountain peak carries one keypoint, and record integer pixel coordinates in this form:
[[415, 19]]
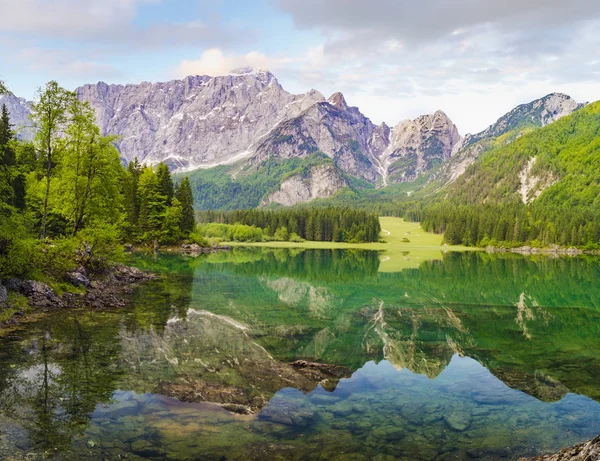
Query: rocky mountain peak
[[539, 112], [555, 106], [338, 101]]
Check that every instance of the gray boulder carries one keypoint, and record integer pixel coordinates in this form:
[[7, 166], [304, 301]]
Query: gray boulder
[[78, 277], [33, 287]]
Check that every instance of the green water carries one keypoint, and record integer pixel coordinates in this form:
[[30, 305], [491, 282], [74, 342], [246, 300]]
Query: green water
[[473, 357]]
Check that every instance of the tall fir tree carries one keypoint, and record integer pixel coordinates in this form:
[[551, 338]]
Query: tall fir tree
[[186, 199], [165, 181], [7, 154], [130, 191]]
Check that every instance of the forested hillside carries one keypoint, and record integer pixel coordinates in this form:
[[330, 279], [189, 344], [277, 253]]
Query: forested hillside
[[216, 189], [543, 188]]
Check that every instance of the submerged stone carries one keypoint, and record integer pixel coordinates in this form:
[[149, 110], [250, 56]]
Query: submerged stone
[[292, 412], [458, 421]]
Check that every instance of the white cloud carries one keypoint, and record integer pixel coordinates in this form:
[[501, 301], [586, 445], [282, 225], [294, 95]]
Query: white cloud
[[110, 24], [62, 18], [215, 62], [65, 64]]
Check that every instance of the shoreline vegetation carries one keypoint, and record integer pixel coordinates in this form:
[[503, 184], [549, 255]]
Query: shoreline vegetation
[[68, 206]]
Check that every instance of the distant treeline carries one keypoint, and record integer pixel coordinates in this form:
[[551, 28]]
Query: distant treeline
[[511, 224], [320, 224]]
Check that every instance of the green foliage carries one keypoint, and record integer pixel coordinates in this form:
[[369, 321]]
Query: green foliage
[[57, 257], [99, 246], [197, 238], [89, 176], [244, 233], [320, 224], [151, 214], [216, 231], [50, 113], [281, 234], [16, 246], [130, 193], [165, 182], [70, 184]]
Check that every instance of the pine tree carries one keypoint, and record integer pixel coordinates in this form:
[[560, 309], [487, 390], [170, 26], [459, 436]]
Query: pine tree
[[130, 191], [166, 182], [186, 199], [7, 154]]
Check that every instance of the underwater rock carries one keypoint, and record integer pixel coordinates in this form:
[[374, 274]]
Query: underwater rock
[[289, 411], [588, 451], [458, 421], [119, 409], [146, 449], [388, 433]]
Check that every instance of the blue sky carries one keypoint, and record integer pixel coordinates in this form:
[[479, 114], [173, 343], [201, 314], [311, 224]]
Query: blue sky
[[394, 59]]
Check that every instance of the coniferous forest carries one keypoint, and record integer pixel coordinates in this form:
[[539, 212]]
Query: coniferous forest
[[331, 224]]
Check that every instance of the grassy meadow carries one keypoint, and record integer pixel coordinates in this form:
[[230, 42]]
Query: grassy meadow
[[406, 245]]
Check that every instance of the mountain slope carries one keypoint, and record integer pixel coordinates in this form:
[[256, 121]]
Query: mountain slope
[[196, 122], [376, 154], [542, 189], [522, 119], [556, 164]]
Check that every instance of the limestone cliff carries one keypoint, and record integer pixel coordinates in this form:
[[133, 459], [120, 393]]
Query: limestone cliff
[[319, 182]]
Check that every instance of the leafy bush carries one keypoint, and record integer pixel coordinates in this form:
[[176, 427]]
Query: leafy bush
[[98, 246], [243, 233]]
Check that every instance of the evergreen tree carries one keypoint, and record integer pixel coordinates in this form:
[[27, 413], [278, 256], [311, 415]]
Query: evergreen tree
[[7, 154], [186, 199], [130, 191], [166, 182], [152, 205]]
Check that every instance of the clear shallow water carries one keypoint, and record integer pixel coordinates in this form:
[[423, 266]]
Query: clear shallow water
[[475, 356]]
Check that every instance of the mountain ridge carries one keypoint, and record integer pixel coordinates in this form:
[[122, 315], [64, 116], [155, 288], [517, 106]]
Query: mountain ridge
[[246, 117]]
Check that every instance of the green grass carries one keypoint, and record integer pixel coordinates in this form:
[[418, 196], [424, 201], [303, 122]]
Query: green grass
[[396, 254]]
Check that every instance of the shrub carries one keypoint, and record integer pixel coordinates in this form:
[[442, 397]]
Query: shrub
[[98, 246]]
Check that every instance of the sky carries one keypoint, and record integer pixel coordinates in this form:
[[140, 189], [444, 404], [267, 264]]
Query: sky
[[394, 59]]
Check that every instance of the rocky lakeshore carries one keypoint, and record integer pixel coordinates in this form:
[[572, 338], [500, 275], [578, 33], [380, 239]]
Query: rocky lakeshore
[[97, 292], [551, 251], [588, 451]]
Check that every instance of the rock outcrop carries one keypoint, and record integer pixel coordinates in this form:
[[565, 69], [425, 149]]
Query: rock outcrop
[[417, 146], [19, 110], [246, 116], [332, 127], [320, 181]]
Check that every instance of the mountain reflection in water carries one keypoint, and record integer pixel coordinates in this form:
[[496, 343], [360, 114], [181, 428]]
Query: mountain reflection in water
[[286, 354]]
